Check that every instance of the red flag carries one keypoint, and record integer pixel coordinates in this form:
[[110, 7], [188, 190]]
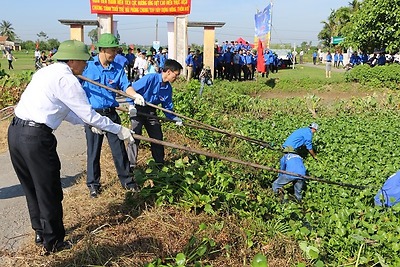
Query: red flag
[[37, 45], [260, 57]]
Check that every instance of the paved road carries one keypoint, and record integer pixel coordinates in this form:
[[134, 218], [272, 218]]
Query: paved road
[[15, 226]]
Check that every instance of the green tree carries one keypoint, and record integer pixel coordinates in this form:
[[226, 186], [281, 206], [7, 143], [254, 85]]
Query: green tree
[[6, 29], [53, 43], [335, 25], [93, 35], [42, 36], [28, 45], [375, 25]]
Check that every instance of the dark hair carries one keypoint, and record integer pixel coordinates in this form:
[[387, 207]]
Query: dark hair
[[173, 65]]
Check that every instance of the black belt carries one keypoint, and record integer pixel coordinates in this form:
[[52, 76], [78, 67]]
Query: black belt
[[18, 121], [105, 110]]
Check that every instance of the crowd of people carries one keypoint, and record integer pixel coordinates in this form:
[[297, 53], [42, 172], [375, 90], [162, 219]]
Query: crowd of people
[[233, 60], [376, 59], [55, 94]]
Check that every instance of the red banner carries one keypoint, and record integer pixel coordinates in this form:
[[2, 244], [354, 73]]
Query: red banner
[[260, 57], [140, 7]]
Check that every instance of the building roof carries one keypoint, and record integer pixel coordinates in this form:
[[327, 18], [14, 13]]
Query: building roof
[[205, 24], [79, 22]]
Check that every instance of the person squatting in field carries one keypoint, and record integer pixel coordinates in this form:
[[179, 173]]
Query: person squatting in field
[[290, 162], [302, 137]]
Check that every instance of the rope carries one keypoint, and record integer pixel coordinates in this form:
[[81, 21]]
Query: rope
[[213, 155], [205, 126], [250, 164], [6, 112]]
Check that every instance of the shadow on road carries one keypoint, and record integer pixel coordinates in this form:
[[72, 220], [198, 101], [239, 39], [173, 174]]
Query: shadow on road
[[16, 190]]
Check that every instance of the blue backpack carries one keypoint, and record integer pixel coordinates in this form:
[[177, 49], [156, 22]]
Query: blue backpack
[[389, 194]]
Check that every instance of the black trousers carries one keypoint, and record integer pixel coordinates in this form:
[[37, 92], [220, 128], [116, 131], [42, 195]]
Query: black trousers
[[37, 165], [94, 143], [153, 128]]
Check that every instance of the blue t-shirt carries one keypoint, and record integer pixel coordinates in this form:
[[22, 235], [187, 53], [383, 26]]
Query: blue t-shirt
[[291, 162], [155, 91], [390, 191], [113, 76], [300, 137], [121, 60]]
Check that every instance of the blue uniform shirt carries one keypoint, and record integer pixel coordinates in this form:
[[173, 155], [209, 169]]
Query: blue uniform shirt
[[113, 76], [121, 60], [189, 60], [300, 137], [131, 58], [155, 91], [291, 162], [390, 191]]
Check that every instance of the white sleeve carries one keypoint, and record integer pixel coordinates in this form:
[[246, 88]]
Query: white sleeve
[[74, 97], [73, 119]]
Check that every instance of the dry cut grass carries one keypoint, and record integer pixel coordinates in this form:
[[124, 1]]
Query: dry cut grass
[[3, 135], [120, 229]]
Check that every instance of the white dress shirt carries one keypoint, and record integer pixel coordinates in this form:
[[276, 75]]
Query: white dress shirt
[[54, 94]]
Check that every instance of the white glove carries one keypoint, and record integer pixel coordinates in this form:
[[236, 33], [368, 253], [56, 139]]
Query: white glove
[[96, 130], [139, 100], [178, 121], [125, 134], [132, 111]]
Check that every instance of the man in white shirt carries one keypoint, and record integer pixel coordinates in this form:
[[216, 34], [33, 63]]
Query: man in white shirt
[[53, 95], [140, 65], [37, 55]]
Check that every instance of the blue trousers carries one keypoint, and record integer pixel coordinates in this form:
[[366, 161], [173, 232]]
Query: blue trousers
[[284, 179], [118, 150]]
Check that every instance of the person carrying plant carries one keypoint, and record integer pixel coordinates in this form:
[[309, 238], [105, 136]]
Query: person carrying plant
[[290, 162], [302, 137]]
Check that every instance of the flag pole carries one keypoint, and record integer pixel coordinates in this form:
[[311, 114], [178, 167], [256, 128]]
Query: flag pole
[[270, 24]]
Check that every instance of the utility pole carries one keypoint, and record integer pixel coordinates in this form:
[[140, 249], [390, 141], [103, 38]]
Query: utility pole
[[156, 29]]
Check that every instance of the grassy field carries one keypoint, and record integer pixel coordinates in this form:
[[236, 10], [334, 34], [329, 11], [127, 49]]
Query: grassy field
[[24, 61]]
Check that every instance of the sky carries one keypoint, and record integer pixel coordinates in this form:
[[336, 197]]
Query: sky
[[293, 21]]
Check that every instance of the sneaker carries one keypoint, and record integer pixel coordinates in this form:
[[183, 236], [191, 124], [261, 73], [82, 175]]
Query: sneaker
[[94, 191]]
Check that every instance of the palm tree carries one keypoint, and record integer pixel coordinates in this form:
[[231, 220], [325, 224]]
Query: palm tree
[[335, 24], [6, 29], [354, 5]]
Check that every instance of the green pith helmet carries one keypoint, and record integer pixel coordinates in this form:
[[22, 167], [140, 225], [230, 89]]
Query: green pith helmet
[[72, 50], [107, 40], [289, 149], [149, 53]]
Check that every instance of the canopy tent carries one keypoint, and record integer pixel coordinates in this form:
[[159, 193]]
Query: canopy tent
[[240, 39]]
